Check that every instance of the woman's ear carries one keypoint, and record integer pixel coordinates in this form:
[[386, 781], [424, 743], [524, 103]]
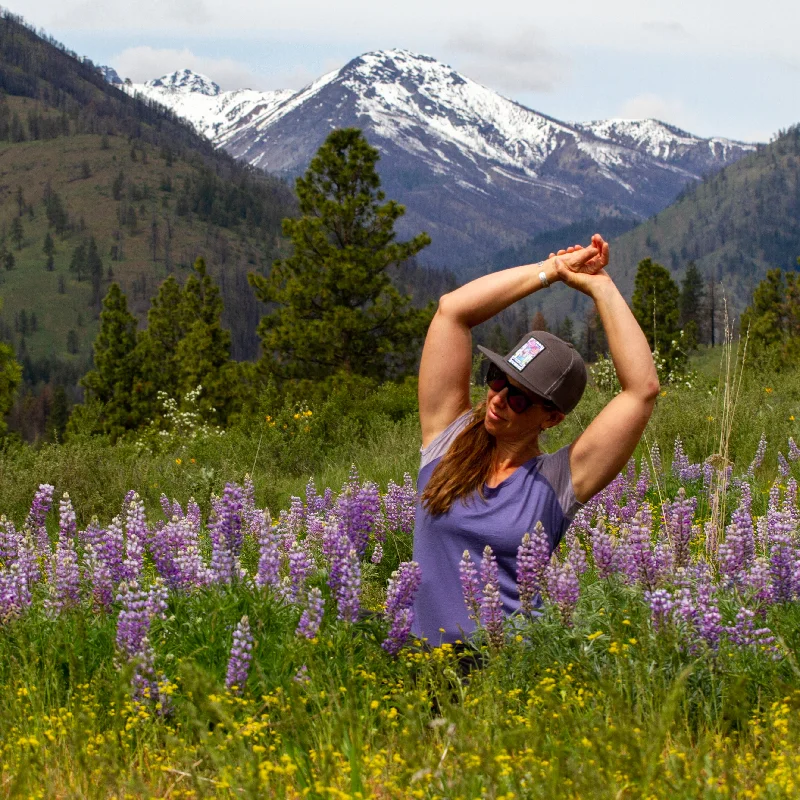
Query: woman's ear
[[553, 418]]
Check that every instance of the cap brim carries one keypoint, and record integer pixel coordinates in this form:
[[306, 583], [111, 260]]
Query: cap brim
[[499, 361]]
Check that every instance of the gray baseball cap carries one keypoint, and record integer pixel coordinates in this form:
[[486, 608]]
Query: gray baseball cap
[[547, 366]]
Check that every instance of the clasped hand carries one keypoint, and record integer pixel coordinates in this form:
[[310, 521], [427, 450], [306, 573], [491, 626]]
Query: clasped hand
[[577, 265]]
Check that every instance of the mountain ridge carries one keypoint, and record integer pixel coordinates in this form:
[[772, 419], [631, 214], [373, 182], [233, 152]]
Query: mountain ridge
[[475, 169]]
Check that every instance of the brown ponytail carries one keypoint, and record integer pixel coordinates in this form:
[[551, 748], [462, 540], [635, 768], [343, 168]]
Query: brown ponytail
[[464, 468]]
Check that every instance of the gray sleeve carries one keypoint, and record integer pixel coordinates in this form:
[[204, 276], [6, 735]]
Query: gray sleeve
[[441, 444], [555, 468]]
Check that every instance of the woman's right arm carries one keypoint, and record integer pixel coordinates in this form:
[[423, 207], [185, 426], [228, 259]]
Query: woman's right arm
[[446, 363]]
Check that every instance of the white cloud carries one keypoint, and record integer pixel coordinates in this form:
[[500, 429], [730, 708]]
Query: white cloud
[[520, 62], [145, 63], [653, 106]]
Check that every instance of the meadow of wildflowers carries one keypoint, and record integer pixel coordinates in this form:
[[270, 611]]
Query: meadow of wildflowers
[[218, 648]]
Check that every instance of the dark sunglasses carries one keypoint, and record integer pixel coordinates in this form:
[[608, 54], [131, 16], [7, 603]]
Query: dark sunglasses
[[518, 401]]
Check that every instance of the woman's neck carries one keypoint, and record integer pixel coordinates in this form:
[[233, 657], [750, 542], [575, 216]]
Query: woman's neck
[[509, 456]]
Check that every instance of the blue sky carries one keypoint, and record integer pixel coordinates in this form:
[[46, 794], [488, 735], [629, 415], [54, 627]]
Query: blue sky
[[711, 68]]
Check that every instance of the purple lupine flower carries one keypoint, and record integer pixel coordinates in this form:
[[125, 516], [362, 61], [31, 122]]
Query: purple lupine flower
[[642, 482], [775, 516], [563, 589], [470, 587], [533, 556], [301, 564], [67, 522], [758, 580], [491, 607], [311, 618], [147, 689], [783, 466], [683, 606], [302, 676], [241, 654], [399, 612], [166, 506], [133, 622], [65, 574], [602, 550], [790, 507], [136, 537], [353, 480], [623, 558], [611, 497], [314, 503], [112, 547], [664, 561], [194, 515], [660, 602], [678, 517], [8, 542], [377, 553], [348, 594], [576, 555], [358, 510], [655, 460], [709, 620], [100, 578], [744, 633], [737, 551], [223, 562], [335, 546], [680, 462], [269, 554], [794, 450], [315, 529], [15, 594], [758, 459], [232, 504], [782, 559], [643, 569], [327, 498], [248, 493], [40, 507], [399, 503]]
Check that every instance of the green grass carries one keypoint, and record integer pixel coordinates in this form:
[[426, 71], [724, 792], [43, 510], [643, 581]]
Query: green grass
[[606, 708]]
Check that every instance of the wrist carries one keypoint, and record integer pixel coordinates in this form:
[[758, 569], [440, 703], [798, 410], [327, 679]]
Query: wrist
[[547, 268]]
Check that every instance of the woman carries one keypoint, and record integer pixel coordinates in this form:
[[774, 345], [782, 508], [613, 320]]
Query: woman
[[483, 477]]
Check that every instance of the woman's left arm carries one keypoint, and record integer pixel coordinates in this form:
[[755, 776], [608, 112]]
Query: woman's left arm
[[604, 448]]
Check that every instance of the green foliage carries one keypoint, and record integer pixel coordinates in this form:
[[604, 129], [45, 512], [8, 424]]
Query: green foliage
[[772, 320], [336, 306], [655, 306], [10, 379], [110, 384], [691, 303]]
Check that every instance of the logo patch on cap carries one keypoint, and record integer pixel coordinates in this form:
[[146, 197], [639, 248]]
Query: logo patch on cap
[[526, 354]]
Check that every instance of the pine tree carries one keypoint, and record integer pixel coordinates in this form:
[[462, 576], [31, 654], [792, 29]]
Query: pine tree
[[77, 263], [110, 384], [94, 266], [336, 307], [10, 379], [17, 233], [539, 322], [566, 330], [691, 303], [49, 249], [655, 306], [203, 353], [772, 320], [158, 347]]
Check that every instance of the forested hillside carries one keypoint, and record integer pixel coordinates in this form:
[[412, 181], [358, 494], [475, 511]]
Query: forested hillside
[[734, 226], [97, 186]]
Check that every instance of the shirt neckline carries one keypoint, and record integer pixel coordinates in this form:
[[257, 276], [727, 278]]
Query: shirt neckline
[[512, 476]]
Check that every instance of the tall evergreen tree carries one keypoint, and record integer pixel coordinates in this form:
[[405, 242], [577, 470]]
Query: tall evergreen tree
[[94, 266], [10, 379], [772, 320], [49, 250], [691, 303], [337, 309], [158, 347], [110, 384], [655, 306], [202, 355]]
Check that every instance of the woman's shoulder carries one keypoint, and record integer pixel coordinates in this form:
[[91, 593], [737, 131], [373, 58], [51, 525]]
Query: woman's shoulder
[[441, 444]]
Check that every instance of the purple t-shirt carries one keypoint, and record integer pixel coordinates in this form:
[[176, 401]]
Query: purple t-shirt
[[539, 490]]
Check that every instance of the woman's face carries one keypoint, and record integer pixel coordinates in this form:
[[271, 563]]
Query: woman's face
[[506, 424]]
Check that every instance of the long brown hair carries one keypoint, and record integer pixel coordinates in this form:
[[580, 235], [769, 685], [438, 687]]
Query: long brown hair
[[464, 468]]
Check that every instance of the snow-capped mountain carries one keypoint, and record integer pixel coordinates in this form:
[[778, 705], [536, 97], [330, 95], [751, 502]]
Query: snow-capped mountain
[[476, 170], [198, 99]]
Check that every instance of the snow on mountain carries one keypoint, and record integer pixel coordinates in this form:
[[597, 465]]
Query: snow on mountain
[[476, 170], [200, 100]]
